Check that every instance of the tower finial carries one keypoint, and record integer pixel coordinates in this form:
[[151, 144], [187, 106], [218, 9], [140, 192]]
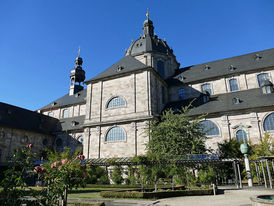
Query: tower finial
[[79, 51], [147, 14]]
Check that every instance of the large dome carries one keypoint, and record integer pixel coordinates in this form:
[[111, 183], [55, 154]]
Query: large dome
[[148, 42]]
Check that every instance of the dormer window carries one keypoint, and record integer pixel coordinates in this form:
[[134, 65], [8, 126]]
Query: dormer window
[[119, 68], [232, 68], [258, 57], [53, 103], [236, 100], [207, 67], [74, 123]]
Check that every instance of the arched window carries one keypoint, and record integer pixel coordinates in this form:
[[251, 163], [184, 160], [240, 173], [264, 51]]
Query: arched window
[[161, 68], [65, 113], [206, 88], [269, 122], [209, 128], [115, 134], [116, 102], [233, 84], [80, 140], [262, 77], [241, 135]]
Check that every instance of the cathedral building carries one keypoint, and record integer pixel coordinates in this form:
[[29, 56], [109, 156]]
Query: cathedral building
[[110, 117]]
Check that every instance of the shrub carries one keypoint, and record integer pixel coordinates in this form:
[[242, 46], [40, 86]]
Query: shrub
[[154, 195]]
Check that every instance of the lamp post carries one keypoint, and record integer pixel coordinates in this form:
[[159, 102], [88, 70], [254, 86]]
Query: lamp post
[[244, 149]]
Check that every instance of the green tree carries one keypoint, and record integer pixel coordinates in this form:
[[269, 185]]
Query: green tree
[[117, 175], [176, 134]]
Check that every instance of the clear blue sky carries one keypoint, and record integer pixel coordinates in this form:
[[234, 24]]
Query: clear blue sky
[[39, 39]]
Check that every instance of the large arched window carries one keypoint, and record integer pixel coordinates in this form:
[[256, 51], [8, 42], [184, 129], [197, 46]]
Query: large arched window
[[161, 68], [115, 134], [209, 128], [116, 102], [206, 88], [261, 78], [233, 84], [241, 135], [269, 122]]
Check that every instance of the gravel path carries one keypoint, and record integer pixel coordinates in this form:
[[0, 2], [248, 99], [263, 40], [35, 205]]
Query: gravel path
[[230, 197]]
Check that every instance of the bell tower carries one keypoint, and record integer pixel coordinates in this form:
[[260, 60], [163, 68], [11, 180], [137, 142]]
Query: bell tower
[[77, 76]]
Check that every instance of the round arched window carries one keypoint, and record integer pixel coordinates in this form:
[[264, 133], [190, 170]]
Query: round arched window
[[241, 135], [209, 128], [115, 134], [269, 122], [116, 102]]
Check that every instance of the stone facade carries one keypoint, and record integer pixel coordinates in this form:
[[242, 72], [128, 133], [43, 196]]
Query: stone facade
[[11, 139], [144, 92]]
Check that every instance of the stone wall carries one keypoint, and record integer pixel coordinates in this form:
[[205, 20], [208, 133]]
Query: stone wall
[[96, 145], [11, 139]]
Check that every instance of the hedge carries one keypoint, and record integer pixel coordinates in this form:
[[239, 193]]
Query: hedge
[[155, 195]]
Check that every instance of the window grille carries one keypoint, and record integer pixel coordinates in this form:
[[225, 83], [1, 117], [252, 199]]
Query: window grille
[[209, 128], [115, 134], [269, 122], [116, 102]]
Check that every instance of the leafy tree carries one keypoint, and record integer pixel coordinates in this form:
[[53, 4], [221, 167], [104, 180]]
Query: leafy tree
[[97, 175], [117, 175], [229, 149], [176, 134]]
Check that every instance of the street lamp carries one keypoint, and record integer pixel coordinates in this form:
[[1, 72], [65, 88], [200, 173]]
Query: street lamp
[[244, 149]]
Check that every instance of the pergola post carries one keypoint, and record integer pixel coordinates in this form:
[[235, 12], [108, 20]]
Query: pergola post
[[258, 174], [239, 173], [269, 173], [272, 165], [236, 175], [262, 164]]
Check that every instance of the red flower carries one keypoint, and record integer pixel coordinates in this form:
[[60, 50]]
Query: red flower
[[30, 145]]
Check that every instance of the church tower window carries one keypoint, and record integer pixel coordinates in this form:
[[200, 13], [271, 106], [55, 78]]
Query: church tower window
[[116, 102], [115, 134]]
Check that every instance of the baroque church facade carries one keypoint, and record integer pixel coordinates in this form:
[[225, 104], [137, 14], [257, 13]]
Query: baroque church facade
[[109, 118]]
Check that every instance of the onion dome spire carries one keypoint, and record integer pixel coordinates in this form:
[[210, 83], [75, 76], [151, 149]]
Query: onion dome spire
[[77, 75]]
